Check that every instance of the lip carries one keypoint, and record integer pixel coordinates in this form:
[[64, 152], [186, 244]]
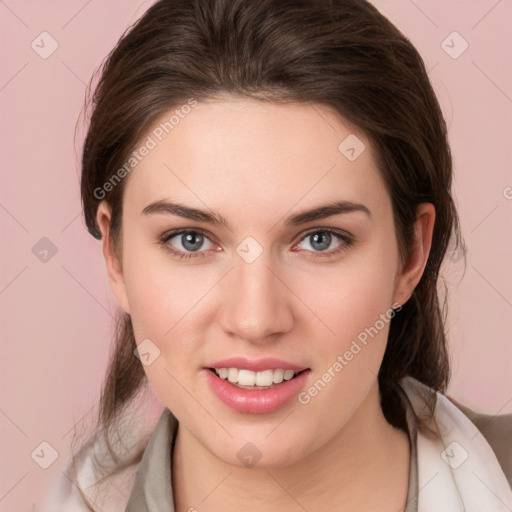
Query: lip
[[255, 401], [255, 365]]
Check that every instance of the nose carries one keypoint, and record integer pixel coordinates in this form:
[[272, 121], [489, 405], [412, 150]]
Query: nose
[[256, 302]]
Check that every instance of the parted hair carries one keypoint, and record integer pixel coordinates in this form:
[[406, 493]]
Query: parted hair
[[343, 54]]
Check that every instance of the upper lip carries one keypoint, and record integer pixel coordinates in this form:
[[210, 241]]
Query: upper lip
[[255, 365]]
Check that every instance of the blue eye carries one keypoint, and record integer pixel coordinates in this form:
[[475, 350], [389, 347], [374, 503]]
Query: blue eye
[[321, 239], [192, 241]]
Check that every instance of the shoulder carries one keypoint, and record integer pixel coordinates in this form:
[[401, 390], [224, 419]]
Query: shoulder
[[68, 489], [497, 431], [94, 475]]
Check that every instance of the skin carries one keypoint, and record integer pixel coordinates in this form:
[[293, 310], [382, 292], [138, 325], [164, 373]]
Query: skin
[[255, 164]]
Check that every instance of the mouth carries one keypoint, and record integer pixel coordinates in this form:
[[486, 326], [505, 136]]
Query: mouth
[[259, 392], [266, 379]]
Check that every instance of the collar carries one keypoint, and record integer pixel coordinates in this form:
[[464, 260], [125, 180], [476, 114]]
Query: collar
[[457, 468], [152, 489], [453, 469]]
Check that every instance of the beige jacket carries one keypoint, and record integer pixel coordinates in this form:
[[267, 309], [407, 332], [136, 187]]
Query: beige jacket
[[146, 487]]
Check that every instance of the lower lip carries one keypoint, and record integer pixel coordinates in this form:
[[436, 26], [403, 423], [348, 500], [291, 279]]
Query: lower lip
[[255, 401]]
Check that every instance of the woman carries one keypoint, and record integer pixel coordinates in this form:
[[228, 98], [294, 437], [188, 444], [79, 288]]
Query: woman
[[271, 182]]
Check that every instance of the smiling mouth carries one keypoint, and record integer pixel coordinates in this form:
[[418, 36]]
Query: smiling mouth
[[271, 380]]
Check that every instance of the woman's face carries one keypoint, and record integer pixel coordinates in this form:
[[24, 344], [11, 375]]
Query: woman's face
[[314, 291]]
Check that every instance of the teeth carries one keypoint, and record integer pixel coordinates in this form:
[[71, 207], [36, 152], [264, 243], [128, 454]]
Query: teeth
[[246, 378], [278, 375], [288, 374], [264, 378]]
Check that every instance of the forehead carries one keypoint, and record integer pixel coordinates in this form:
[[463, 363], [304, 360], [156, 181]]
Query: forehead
[[239, 152]]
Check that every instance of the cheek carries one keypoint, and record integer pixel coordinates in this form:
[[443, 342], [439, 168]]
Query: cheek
[[353, 302], [167, 305], [163, 316], [348, 356], [158, 293]]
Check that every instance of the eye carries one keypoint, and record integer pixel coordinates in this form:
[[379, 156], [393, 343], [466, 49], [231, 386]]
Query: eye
[[191, 243], [188, 243], [321, 239]]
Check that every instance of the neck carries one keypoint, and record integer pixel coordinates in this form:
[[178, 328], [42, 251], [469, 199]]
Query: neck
[[366, 454]]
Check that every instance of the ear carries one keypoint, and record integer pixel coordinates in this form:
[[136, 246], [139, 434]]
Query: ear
[[411, 271], [114, 266]]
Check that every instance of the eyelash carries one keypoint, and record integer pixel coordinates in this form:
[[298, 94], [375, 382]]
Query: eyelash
[[345, 238]]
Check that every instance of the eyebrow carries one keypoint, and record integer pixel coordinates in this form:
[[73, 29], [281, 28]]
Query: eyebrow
[[302, 217]]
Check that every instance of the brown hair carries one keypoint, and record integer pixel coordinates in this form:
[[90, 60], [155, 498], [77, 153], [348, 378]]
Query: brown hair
[[340, 53]]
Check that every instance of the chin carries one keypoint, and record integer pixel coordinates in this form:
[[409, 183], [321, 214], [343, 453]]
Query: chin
[[258, 454]]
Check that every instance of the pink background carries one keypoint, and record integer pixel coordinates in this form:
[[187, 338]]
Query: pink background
[[55, 316]]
